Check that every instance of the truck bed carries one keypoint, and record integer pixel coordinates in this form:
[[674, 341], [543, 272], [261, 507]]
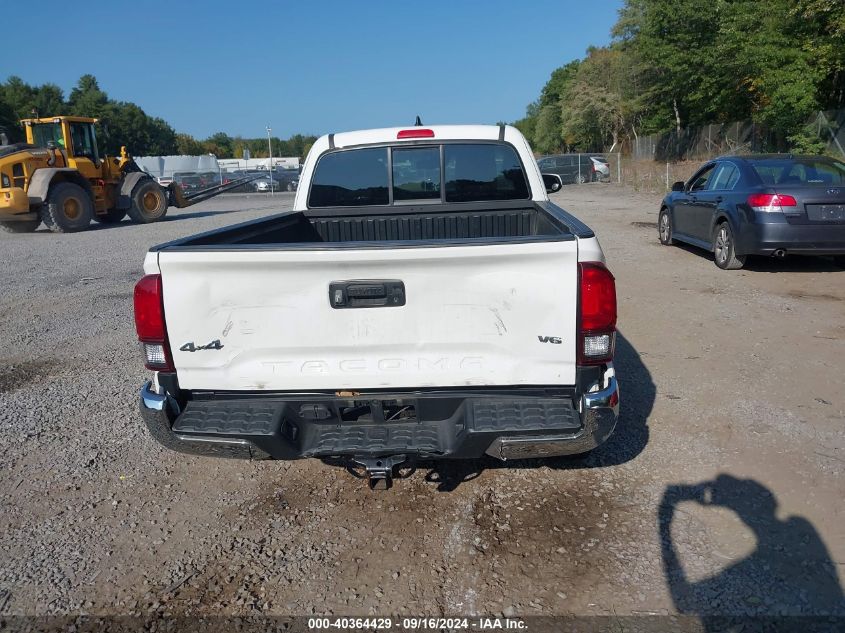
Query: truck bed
[[413, 225]]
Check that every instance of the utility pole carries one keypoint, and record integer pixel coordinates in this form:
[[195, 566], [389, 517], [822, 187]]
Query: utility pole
[[270, 151]]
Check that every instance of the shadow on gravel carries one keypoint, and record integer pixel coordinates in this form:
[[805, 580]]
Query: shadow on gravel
[[170, 217], [637, 397], [790, 573], [759, 264], [199, 214]]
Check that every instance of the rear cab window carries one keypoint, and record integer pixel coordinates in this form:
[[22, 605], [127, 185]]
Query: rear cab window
[[410, 174]]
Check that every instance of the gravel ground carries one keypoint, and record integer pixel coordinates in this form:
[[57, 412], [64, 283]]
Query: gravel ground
[[721, 492]]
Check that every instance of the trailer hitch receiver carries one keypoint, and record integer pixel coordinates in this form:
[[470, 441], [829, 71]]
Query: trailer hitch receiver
[[379, 470]]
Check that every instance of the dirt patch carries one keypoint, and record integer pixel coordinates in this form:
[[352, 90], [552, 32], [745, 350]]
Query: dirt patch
[[797, 294], [19, 374], [644, 225]]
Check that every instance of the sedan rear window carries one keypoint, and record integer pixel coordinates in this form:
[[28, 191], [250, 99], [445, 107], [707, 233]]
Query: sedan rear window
[[800, 171]]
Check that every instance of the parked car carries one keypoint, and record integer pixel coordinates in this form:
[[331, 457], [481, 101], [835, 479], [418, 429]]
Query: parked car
[[572, 168], [346, 336], [288, 179], [602, 167], [777, 205], [209, 179], [263, 185], [187, 181]]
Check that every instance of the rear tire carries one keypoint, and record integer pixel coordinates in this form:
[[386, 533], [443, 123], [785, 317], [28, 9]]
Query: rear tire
[[68, 208], [664, 227], [112, 216], [149, 202], [839, 260], [19, 226], [724, 249]]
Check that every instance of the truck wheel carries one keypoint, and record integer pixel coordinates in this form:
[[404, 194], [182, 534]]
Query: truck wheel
[[149, 202], [68, 208], [664, 227], [112, 216], [19, 226], [725, 250]]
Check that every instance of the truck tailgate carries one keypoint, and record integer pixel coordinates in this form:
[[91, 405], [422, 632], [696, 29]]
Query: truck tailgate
[[500, 314]]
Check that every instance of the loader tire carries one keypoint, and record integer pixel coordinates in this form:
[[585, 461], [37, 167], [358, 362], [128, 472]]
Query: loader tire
[[112, 216], [149, 202], [19, 226], [68, 208]]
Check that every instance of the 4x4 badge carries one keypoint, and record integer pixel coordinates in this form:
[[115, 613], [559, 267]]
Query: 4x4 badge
[[190, 347]]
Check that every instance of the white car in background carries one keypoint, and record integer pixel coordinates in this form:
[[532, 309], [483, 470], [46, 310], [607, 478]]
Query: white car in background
[[602, 168]]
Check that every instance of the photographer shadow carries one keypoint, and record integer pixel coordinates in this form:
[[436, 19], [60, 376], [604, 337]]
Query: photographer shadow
[[790, 572], [629, 439]]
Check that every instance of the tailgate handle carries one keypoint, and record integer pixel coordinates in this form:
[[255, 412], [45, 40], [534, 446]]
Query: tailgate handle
[[367, 293]]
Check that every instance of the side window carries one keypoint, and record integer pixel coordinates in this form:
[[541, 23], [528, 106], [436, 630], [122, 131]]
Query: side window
[[545, 163], [700, 180], [724, 178], [82, 140]]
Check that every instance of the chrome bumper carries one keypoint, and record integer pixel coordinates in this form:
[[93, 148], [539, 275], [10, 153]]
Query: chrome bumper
[[160, 410], [599, 411]]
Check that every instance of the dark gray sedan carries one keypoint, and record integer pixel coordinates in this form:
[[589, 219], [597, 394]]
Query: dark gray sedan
[[771, 205]]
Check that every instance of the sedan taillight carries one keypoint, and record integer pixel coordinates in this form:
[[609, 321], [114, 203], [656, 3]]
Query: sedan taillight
[[772, 203]]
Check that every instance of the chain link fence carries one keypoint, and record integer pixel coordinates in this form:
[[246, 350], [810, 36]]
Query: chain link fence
[[701, 143], [645, 175]]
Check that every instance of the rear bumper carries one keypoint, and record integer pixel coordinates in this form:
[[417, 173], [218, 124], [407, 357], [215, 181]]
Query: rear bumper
[[798, 239], [447, 425]]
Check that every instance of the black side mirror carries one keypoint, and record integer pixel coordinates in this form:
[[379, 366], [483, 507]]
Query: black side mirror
[[678, 186], [552, 182]]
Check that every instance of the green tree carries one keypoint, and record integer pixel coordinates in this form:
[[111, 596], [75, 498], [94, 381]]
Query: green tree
[[187, 145], [86, 99], [219, 144], [547, 131]]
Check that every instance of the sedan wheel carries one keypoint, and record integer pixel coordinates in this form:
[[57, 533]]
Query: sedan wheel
[[724, 249], [664, 228]]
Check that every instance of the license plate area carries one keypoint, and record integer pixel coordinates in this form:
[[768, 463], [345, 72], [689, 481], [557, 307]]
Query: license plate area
[[826, 212]]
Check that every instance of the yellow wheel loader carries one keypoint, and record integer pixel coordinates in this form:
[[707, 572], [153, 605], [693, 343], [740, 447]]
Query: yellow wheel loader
[[58, 177]]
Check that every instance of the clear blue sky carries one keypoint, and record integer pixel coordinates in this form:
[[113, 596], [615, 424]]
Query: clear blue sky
[[309, 67]]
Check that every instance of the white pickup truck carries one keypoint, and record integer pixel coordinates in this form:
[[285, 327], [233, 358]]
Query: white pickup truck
[[422, 300]]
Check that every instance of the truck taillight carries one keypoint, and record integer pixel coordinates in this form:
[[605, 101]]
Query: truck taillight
[[149, 323], [597, 316]]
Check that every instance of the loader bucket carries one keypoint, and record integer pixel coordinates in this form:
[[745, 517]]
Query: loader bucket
[[177, 198]]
